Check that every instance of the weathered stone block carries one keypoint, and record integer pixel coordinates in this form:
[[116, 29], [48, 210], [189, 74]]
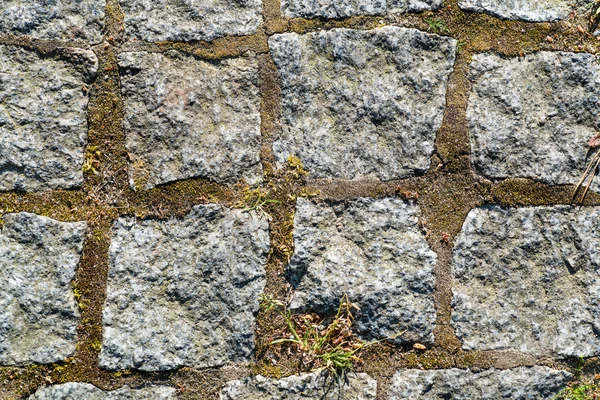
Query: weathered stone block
[[86, 391], [528, 279], [38, 312], [43, 119], [308, 386], [526, 10], [43, 19], [531, 383], [187, 20], [373, 250], [533, 116], [349, 8], [188, 118], [183, 292], [359, 103]]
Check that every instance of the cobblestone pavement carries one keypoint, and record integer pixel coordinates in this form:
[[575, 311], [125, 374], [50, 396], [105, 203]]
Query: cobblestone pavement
[[164, 164]]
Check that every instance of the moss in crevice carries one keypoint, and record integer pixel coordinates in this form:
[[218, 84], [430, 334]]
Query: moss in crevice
[[527, 192]]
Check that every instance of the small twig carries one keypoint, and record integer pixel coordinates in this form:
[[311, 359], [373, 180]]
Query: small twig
[[590, 171], [597, 157], [584, 176]]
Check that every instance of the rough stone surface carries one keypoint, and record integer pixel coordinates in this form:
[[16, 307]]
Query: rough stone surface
[[534, 383], [188, 118], [187, 20], [38, 312], [373, 251], [43, 119], [73, 391], [533, 116], [43, 19], [308, 386], [528, 279], [359, 103], [526, 10], [349, 8], [183, 292]]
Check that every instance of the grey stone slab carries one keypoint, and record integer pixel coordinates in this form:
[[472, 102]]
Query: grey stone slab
[[395, 6], [372, 250], [332, 8], [528, 279], [527, 10], [349, 8], [188, 118], [187, 20], [81, 391], [362, 103], [524, 383], [183, 292], [43, 19], [38, 312], [533, 116], [43, 118], [317, 386]]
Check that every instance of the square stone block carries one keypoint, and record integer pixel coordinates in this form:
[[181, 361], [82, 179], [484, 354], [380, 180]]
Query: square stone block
[[44, 19], [350, 8], [317, 385], [532, 116], [528, 279], [38, 312], [43, 118], [527, 10], [187, 118], [531, 383], [362, 103], [373, 251], [187, 20], [183, 292], [85, 391]]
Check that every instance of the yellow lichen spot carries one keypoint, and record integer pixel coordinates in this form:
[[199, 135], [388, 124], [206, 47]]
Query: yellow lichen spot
[[77, 295], [98, 235], [309, 192], [296, 167], [91, 162], [140, 173], [96, 344]]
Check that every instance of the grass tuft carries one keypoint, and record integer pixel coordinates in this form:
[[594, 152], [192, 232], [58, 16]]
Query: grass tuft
[[257, 200], [579, 391], [436, 25], [331, 346]]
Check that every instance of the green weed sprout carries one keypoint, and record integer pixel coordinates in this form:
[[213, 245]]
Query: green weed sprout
[[332, 347]]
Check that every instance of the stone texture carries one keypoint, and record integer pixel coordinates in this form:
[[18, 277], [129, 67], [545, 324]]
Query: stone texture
[[349, 8], [528, 279], [182, 292], [187, 20], [533, 116], [372, 250], [43, 19], [359, 103], [527, 10], [534, 383], [38, 312], [43, 118], [75, 391], [297, 387], [189, 118]]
